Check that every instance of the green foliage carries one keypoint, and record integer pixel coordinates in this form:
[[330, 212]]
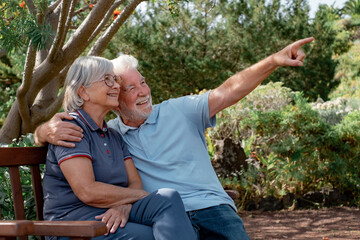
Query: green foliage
[[211, 147], [320, 69], [352, 7], [210, 41], [7, 210], [24, 141], [348, 72], [10, 79], [7, 98], [18, 27], [348, 170], [333, 112], [293, 150]]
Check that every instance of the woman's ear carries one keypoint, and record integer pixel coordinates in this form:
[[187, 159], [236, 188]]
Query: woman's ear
[[83, 93]]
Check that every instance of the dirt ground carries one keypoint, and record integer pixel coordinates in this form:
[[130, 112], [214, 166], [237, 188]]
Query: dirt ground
[[322, 224]]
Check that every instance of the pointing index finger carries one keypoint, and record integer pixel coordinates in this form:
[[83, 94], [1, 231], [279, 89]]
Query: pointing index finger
[[301, 42]]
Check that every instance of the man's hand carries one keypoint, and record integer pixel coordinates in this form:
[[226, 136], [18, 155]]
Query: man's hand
[[115, 217], [292, 54], [58, 132]]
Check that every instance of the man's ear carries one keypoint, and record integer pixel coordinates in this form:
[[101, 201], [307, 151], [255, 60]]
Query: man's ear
[[83, 93]]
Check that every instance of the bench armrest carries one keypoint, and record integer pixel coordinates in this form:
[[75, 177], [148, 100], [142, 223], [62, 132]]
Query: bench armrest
[[69, 228], [15, 228]]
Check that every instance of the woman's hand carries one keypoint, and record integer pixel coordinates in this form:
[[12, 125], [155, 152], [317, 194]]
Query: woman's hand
[[115, 217]]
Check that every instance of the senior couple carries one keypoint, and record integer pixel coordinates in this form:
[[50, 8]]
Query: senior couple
[[147, 173]]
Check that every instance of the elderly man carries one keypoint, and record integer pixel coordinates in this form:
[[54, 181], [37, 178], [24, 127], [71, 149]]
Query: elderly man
[[167, 140]]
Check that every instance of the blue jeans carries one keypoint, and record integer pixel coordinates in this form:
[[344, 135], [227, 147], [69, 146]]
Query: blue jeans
[[160, 215], [218, 222]]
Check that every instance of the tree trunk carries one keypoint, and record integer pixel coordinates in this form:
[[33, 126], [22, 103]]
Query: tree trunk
[[12, 126]]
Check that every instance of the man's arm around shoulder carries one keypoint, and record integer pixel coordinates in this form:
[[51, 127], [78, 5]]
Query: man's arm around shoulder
[[58, 132]]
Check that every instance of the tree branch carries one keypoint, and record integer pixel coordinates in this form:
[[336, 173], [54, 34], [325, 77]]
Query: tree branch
[[41, 13], [44, 110], [25, 86], [46, 70], [103, 41], [83, 9], [62, 74], [12, 125], [31, 7], [52, 7], [68, 21], [61, 29], [44, 114], [105, 20], [50, 111], [75, 46]]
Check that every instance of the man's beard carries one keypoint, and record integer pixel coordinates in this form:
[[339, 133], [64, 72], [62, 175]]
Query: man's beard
[[134, 115]]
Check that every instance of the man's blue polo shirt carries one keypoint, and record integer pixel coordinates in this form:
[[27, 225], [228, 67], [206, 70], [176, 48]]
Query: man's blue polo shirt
[[169, 150], [107, 151]]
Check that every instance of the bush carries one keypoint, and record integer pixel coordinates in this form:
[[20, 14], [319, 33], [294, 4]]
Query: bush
[[348, 72], [332, 112], [349, 136], [293, 149]]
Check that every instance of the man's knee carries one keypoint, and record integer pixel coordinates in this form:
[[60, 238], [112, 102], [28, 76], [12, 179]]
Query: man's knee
[[169, 195]]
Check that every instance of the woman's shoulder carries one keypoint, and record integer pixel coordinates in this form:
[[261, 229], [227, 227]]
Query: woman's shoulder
[[76, 120]]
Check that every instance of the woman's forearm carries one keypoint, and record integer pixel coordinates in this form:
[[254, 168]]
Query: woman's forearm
[[104, 195], [95, 193]]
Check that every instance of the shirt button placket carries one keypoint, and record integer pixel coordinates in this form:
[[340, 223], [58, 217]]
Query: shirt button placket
[[105, 144]]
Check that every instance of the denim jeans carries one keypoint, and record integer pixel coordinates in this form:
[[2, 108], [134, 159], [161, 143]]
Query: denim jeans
[[218, 222], [160, 215]]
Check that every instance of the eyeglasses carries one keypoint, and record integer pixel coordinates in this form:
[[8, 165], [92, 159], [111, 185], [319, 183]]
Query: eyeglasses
[[110, 80]]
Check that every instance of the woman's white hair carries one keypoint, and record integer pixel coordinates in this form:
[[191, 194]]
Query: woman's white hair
[[124, 63], [83, 72]]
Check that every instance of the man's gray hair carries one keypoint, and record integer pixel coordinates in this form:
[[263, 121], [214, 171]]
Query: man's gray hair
[[124, 63], [83, 72]]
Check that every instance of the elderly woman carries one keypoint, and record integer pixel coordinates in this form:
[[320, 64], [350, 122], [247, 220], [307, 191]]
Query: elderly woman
[[97, 179]]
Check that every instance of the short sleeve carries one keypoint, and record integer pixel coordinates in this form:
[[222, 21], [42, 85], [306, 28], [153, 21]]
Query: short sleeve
[[81, 149], [196, 109]]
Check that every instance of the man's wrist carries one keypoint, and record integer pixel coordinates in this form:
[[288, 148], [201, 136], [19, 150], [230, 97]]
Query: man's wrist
[[272, 61], [38, 139]]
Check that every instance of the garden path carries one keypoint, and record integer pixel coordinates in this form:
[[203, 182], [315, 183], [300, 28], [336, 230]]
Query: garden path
[[322, 224]]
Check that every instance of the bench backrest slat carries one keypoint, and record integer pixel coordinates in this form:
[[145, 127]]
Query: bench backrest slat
[[22, 156], [38, 192], [15, 157], [16, 190]]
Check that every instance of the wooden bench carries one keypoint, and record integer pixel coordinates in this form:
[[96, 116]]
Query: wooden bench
[[20, 228]]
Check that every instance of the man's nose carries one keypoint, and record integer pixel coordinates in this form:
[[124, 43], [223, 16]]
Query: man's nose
[[142, 91]]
